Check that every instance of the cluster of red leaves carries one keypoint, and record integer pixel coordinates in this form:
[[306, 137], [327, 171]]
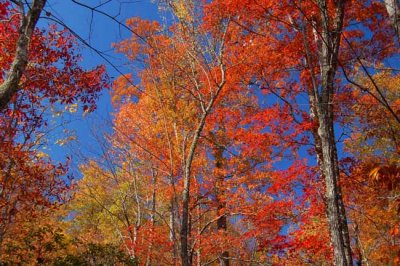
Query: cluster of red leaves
[[53, 74]]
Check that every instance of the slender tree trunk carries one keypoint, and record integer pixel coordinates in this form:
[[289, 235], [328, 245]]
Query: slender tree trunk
[[206, 108], [185, 219], [172, 235], [139, 214], [152, 214], [185, 256], [362, 259], [198, 251]]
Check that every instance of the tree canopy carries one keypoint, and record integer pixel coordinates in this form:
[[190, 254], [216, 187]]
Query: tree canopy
[[242, 133]]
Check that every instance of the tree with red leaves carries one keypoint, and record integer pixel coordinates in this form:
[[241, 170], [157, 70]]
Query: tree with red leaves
[[48, 77]]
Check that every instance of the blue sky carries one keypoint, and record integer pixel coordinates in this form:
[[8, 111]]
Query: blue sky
[[101, 32]]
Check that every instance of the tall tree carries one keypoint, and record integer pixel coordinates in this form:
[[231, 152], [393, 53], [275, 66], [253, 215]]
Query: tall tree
[[321, 101], [202, 75], [30, 182], [303, 45]]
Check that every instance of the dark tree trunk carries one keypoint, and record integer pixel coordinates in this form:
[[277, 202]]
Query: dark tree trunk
[[219, 196]]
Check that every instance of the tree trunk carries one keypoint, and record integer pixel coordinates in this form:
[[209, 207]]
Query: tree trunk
[[219, 193], [184, 234], [334, 203], [198, 251], [331, 30], [222, 225], [172, 235], [393, 10], [152, 214], [185, 256], [362, 259]]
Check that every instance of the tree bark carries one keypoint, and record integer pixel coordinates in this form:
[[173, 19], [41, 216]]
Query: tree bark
[[393, 10], [331, 29], [185, 256], [219, 193], [334, 203], [152, 214], [362, 259], [10, 86], [172, 235]]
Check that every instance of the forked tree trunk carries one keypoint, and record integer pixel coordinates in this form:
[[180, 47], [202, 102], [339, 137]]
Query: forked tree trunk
[[321, 100], [184, 233], [184, 10]]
